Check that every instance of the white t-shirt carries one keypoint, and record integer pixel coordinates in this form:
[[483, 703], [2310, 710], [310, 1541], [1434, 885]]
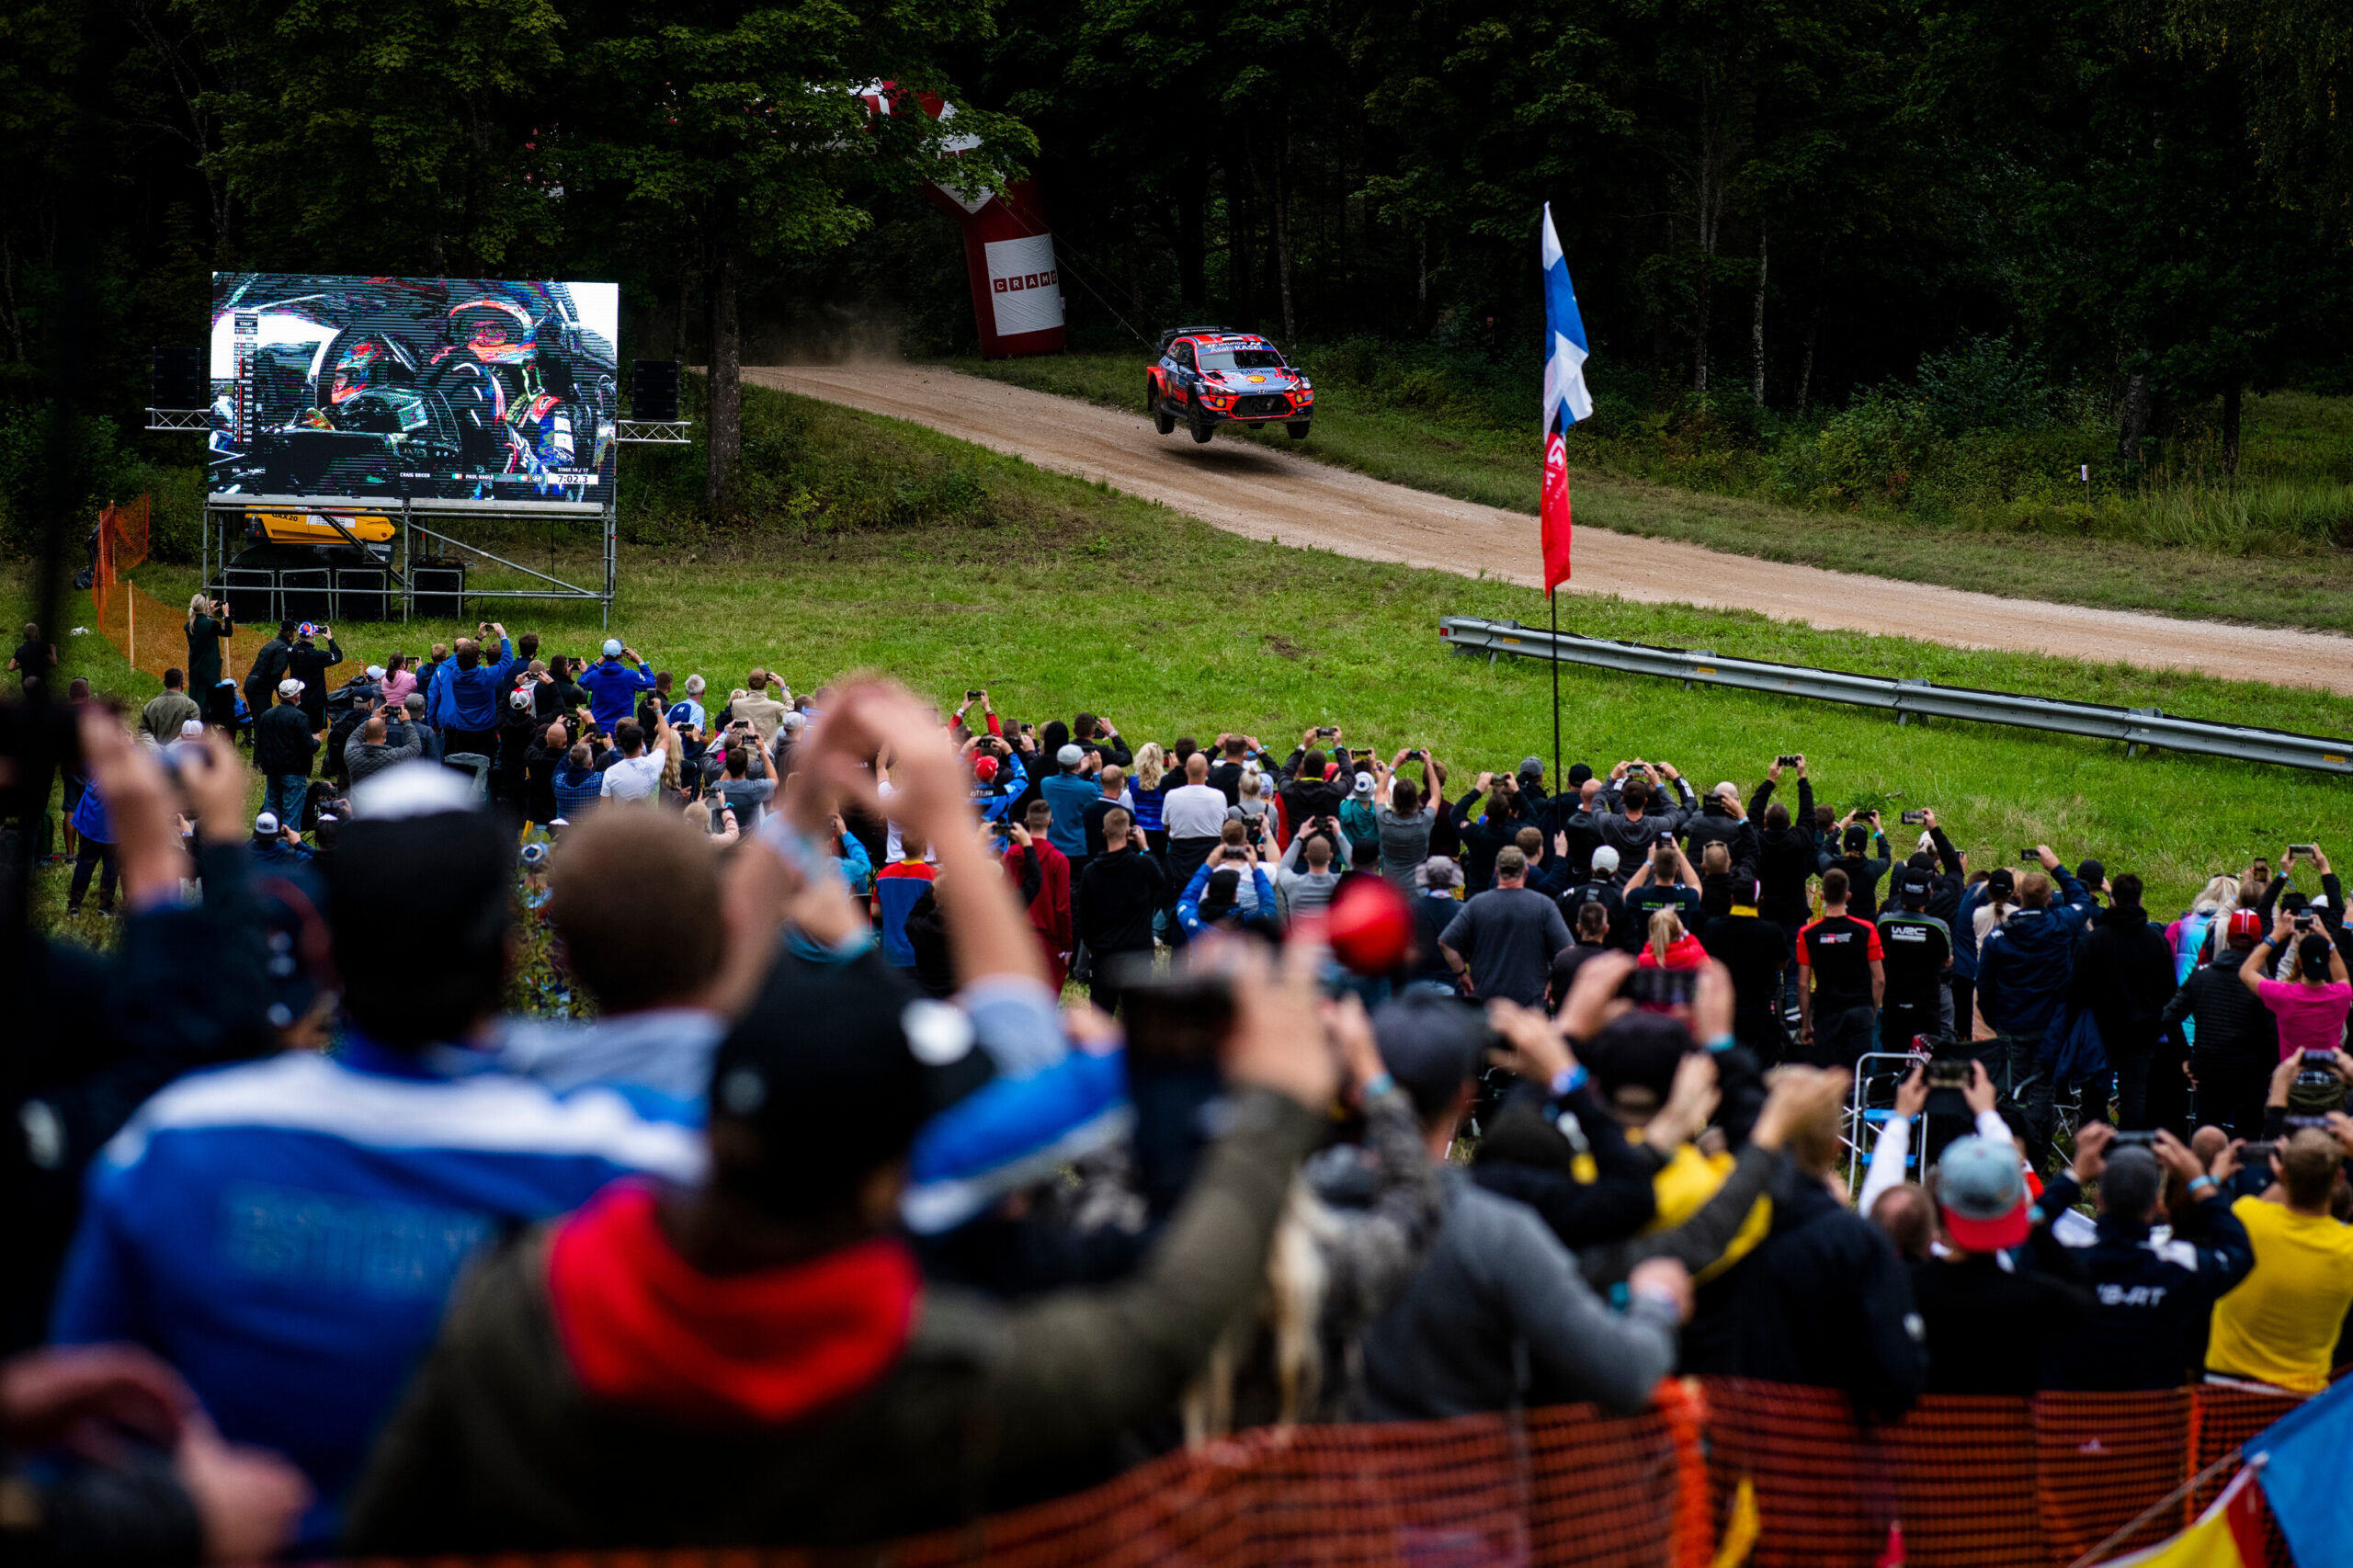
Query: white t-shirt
[[1193, 811], [633, 777]]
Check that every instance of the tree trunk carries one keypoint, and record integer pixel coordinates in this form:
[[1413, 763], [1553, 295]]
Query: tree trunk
[[2233, 397], [1241, 265], [1192, 282], [1282, 241], [1812, 331], [1756, 325], [726, 409], [2133, 423]]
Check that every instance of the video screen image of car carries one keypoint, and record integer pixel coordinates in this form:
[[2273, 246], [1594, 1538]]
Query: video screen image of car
[[380, 389]]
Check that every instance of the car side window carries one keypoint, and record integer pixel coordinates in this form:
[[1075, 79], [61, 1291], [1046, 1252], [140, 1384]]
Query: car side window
[[1184, 356]]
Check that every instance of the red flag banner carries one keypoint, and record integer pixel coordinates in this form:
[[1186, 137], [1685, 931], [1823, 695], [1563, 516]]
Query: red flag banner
[[1556, 511]]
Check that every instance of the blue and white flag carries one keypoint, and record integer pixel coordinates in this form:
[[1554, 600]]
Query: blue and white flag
[[1564, 345]]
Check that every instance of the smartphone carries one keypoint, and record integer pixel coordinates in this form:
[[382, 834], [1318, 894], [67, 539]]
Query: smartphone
[[2300, 1123], [1786, 761], [2306, 850], [1001, 828], [972, 692], [1361, 751], [2323, 1057], [2029, 858], [1327, 731], [2146, 1138], [1914, 819], [1660, 987], [1949, 1072]]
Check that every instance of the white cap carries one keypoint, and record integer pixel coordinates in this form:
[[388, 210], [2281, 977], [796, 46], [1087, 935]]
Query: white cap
[[1070, 756], [519, 698], [266, 824], [375, 672], [289, 687], [1605, 859], [793, 721], [191, 729], [612, 647], [413, 790]]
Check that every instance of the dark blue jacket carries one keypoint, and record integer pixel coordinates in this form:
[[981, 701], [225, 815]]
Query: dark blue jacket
[[2024, 964], [2148, 1295], [612, 688], [469, 699]]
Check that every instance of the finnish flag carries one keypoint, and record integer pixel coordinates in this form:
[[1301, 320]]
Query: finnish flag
[[1566, 401]]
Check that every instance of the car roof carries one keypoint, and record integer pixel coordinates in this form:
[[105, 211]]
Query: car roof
[[1223, 337]]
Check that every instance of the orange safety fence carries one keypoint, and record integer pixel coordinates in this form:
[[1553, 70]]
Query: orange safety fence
[[1718, 1473], [150, 634]]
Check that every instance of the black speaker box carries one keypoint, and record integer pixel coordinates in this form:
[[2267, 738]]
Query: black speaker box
[[181, 380], [653, 388]]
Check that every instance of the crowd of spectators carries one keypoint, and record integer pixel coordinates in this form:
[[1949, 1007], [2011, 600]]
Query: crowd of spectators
[[971, 1107]]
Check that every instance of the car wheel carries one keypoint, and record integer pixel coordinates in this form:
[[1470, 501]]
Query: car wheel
[[1157, 406], [1297, 428], [1199, 420]]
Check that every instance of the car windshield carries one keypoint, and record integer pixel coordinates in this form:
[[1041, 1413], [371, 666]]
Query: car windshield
[[1241, 360]]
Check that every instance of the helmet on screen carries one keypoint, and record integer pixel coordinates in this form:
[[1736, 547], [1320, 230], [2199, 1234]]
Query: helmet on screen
[[365, 360], [496, 331]]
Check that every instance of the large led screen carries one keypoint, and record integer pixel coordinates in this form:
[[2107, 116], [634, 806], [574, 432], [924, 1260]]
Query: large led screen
[[425, 388]]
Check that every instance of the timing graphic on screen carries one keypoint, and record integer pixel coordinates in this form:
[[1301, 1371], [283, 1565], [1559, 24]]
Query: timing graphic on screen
[[422, 388]]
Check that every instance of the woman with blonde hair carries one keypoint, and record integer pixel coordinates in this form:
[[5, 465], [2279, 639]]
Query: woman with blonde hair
[[209, 627], [1670, 946], [1148, 786], [2191, 938]]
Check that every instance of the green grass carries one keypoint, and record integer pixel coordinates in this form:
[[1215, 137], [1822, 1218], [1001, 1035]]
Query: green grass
[[1451, 447], [1058, 595]]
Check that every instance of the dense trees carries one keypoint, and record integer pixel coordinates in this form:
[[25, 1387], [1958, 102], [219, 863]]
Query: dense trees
[[1767, 203]]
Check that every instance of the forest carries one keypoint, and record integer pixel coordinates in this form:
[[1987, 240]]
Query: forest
[[2121, 214]]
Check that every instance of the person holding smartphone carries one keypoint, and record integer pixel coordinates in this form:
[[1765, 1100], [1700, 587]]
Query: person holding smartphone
[[2312, 995]]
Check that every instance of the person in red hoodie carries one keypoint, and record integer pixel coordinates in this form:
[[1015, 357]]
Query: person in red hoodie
[[1670, 946], [1049, 902], [757, 1359]]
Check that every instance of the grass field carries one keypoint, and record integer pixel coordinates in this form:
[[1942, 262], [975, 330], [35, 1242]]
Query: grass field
[[1459, 452], [1059, 595]]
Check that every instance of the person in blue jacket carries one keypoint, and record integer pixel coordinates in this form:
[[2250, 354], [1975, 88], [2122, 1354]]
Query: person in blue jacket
[[2023, 968], [468, 692], [1205, 888], [95, 851], [285, 1233], [612, 687]]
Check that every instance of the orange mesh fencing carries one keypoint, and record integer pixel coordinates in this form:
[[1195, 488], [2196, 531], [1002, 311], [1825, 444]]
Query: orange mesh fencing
[[149, 633], [1719, 1474]]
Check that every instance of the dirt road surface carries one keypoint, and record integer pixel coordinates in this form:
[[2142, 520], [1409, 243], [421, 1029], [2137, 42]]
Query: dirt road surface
[[1271, 495]]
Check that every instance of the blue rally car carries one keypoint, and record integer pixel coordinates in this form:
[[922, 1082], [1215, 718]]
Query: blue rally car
[[1207, 376]]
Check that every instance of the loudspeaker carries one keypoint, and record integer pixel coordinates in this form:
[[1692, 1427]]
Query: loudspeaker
[[440, 589], [653, 388], [252, 593], [306, 593], [181, 380], [360, 593]]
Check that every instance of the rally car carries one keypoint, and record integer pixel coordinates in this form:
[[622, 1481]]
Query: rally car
[[1207, 376]]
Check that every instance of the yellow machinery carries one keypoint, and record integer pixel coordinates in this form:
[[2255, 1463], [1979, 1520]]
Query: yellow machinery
[[312, 527]]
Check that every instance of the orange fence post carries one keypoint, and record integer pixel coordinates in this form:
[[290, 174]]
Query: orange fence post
[[1684, 1405]]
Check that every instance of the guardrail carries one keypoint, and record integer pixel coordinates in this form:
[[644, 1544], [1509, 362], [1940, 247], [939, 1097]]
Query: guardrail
[[1907, 700]]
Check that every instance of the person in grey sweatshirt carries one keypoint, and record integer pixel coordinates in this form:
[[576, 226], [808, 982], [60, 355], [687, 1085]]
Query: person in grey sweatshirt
[[1498, 1314]]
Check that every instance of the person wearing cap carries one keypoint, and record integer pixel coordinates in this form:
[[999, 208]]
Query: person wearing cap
[[612, 686], [688, 710], [1990, 1323], [1855, 836], [1600, 887], [1501, 944], [286, 1234], [1070, 792], [758, 1350], [276, 849], [2311, 1002], [2125, 971], [1499, 1315], [1360, 821], [2150, 1297], [308, 664], [160, 721], [284, 743], [1915, 949], [2024, 968], [2234, 1038], [1306, 793]]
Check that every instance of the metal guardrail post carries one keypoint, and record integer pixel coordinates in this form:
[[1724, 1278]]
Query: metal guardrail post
[[2138, 729]]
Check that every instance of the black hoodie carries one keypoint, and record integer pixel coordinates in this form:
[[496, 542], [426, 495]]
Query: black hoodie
[[1785, 857]]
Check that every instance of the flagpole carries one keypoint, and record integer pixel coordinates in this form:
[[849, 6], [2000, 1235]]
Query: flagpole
[[1555, 595]]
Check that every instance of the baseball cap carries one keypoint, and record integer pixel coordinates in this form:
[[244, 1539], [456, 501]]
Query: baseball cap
[[1858, 836], [1430, 1044], [1982, 1194], [1363, 785], [1437, 872], [1910, 884], [306, 630], [266, 824], [984, 769], [1605, 859], [191, 729], [2129, 1184], [289, 687], [519, 698], [375, 672], [2246, 923], [1070, 756], [612, 647], [830, 1073], [2000, 881], [793, 720], [2091, 873], [2312, 953], [1531, 768]]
